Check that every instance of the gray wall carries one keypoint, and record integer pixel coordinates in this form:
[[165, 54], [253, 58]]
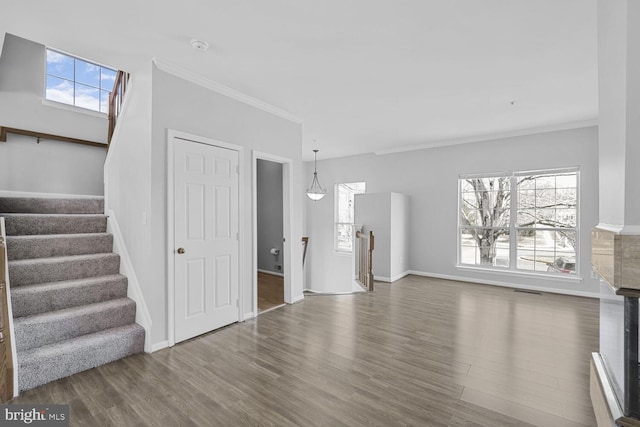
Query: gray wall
[[188, 107], [269, 210], [49, 166], [430, 178]]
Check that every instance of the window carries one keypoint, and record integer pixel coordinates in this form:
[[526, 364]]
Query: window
[[74, 81], [525, 221], [344, 215]]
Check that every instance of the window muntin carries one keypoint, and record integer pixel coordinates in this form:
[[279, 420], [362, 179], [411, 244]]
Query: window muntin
[[344, 214], [525, 221], [77, 82]]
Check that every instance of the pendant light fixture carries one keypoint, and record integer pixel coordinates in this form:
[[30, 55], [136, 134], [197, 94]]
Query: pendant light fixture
[[315, 192]]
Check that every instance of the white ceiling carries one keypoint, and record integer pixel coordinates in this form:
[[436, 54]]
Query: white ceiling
[[363, 75]]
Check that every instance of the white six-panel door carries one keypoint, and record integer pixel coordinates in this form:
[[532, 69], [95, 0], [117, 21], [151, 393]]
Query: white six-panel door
[[206, 254]]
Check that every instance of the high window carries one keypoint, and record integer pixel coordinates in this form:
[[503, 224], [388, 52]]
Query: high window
[[77, 82], [344, 214], [525, 221]]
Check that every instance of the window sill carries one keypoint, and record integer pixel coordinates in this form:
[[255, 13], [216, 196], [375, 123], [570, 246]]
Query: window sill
[[343, 254], [512, 273], [73, 108]]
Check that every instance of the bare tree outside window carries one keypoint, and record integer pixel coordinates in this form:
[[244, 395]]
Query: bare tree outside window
[[539, 230]]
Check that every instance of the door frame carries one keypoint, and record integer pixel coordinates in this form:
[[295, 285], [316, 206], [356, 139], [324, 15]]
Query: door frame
[[287, 223], [172, 135]]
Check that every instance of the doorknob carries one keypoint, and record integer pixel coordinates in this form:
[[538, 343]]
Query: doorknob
[[181, 251]]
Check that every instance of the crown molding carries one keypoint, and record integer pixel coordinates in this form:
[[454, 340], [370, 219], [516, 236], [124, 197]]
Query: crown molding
[[493, 136], [200, 80]]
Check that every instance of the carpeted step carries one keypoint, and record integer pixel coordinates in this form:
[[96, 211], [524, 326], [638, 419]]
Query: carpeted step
[[55, 245], [47, 328], [56, 269], [44, 364], [42, 205], [33, 224], [35, 299]]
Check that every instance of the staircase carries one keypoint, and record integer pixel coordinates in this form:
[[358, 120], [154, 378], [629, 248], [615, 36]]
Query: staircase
[[70, 306]]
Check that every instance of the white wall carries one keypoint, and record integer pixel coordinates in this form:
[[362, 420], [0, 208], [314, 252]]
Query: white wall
[[184, 106], [430, 178], [50, 166], [22, 76], [269, 210], [400, 237], [373, 213]]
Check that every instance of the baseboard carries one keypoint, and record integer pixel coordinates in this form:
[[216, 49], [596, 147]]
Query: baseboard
[[331, 293], [298, 298], [391, 279], [159, 346], [273, 273], [7, 193], [505, 284], [134, 291], [248, 316]]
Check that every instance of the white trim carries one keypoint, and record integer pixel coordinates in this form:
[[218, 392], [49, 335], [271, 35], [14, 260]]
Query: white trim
[[248, 315], [298, 299], [75, 109], [172, 135], [506, 285], [569, 278], [625, 230], [134, 291], [223, 90], [271, 309], [12, 334], [332, 293], [6, 193], [391, 279], [493, 136], [159, 346], [273, 273], [287, 224]]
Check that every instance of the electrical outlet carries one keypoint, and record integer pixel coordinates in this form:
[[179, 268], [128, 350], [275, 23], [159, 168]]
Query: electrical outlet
[[278, 267], [594, 275]]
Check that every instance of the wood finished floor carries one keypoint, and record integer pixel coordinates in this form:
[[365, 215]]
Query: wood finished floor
[[419, 352], [270, 291]]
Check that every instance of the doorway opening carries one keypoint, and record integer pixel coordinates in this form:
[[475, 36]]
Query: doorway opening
[[270, 235]]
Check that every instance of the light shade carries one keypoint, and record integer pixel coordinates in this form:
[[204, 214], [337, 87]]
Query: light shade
[[315, 192]]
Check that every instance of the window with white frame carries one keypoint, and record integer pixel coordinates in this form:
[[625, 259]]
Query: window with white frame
[[344, 214], [525, 221], [77, 82]]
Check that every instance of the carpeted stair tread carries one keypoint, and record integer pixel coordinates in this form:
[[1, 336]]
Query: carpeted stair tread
[[56, 269], [44, 364], [88, 205], [48, 328], [35, 299], [55, 245], [35, 224]]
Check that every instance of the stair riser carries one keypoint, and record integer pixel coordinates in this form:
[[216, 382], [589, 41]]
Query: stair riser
[[52, 298], [21, 273], [30, 247], [51, 206], [36, 369], [23, 225], [31, 333]]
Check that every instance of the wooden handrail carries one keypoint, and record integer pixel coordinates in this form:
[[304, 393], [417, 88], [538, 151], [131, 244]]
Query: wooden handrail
[[366, 245], [116, 98], [40, 135], [6, 350], [305, 243]]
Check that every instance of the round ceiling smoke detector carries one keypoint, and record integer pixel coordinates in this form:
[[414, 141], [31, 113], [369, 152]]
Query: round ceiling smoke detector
[[199, 45]]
